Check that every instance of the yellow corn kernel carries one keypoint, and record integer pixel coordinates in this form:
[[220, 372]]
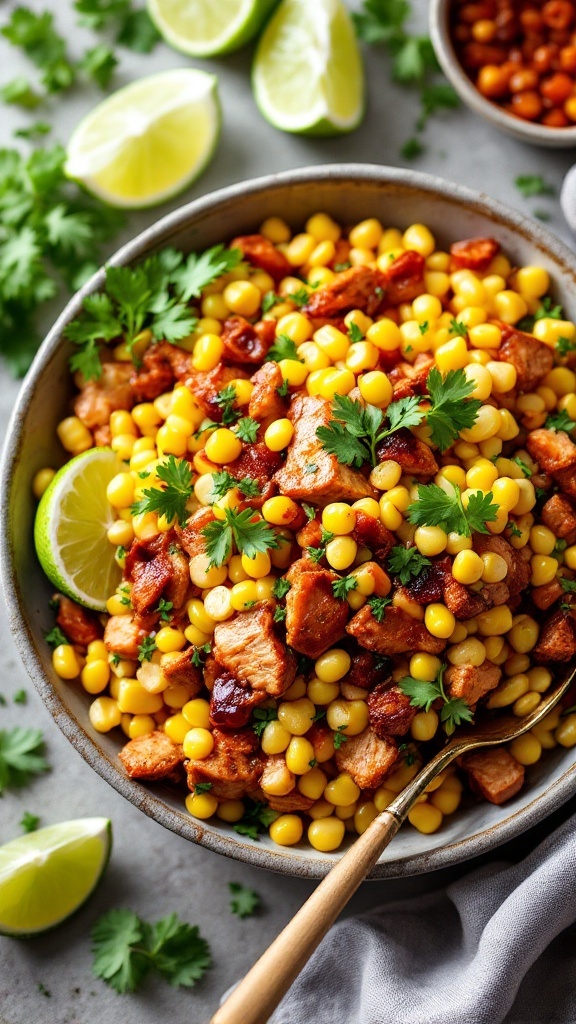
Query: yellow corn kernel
[[488, 423], [169, 639], [542, 540], [332, 341], [275, 738], [424, 725], [495, 567], [448, 796], [243, 595], [201, 805], [199, 616], [140, 725], [198, 743], [469, 652], [509, 691], [526, 749], [424, 666], [439, 620], [506, 492], [41, 481], [73, 435], [342, 791], [95, 675], [286, 830], [527, 499], [176, 728], [278, 435], [347, 716], [218, 603], [338, 518], [320, 692], [460, 633], [65, 662], [133, 698], [258, 566], [208, 351], [299, 754], [544, 569], [386, 475], [223, 446], [539, 679], [326, 834], [276, 230], [527, 703], [452, 355], [426, 818], [509, 306], [204, 577], [481, 475], [230, 810], [495, 622], [341, 552], [385, 334], [104, 714], [96, 651], [332, 665], [172, 442], [481, 380], [420, 238], [121, 532], [485, 335], [467, 567], [363, 355], [430, 540], [197, 713], [296, 715], [242, 298], [565, 732]]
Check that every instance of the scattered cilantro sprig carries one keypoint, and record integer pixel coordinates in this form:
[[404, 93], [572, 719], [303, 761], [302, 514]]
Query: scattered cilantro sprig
[[435, 507], [256, 819], [250, 533], [55, 637], [170, 500], [343, 586], [126, 949], [133, 27], [29, 822], [378, 606], [406, 563], [283, 348], [244, 901], [560, 421], [453, 712], [533, 185], [21, 757]]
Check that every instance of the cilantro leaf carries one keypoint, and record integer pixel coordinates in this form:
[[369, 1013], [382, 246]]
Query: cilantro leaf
[[250, 533], [458, 328], [560, 421], [564, 346], [525, 469], [533, 185], [200, 653], [281, 588], [198, 271], [452, 410], [269, 300], [354, 332], [133, 27], [435, 507], [378, 606], [54, 637], [177, 951], [244, 901], [257, 818], [249, 487], [247, 429], [21, 757], [169, 501], [20, 93], [146, 649], [226, 400], [99, 63], [279, 614], [406, 563], [423, 694], [283, 348], [261, 718], [222, 482], [202, 787], [36, 36], [29, 822], [339, 737], [164, 609], [342, 587], [309, 511], [568, 586]]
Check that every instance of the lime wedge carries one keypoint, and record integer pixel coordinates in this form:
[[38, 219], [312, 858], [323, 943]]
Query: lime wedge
[[147, 141], [70, 529], [205, 28], [46, 875], [308, 75]]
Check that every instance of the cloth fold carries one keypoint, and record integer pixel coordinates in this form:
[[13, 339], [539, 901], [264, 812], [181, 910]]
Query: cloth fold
[[498, 946]]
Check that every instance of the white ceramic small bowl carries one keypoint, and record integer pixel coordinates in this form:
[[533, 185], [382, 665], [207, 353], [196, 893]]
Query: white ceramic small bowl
[[526, 131], [349, 193]]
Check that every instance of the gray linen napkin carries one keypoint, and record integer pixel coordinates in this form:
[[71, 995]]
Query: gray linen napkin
[[496, 947]]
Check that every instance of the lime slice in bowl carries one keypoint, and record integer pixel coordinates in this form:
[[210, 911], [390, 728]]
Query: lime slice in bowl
[[148, 141], [46, 875], [308, 75], [70, 529], [206, 28]]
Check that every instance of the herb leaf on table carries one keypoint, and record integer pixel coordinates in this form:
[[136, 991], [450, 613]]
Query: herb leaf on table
[[21, 757]]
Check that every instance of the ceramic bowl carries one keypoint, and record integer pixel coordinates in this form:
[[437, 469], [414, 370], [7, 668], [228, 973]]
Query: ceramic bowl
[[349, 193], [526, 131]]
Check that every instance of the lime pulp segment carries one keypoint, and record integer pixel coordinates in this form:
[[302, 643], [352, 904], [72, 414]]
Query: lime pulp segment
[[206, 28]]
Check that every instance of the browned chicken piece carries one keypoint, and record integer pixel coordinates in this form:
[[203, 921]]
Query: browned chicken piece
[[245, 342], [566, 480], [181, 672], [162, 364], [311, 473], [276, 774], [248, 647], [261, 252], [80, 625], [368, 758], [231, 704], [396, 634], [546, 595], [206, 385], [436, 583], [373, 534], [473, 254], [265, 403], [408, 379], [390, 711], [357, 288], [233, 767], [259, 463], [518, 575], [310, 536], [557, 640], [472, 682], [156, 570], [553, 450], [123, 635], [559, 515], [315, 619], [153, 757], [494, 774], [291, 802], [530, 357], [462, 602], [322, 739], [367, 670], [413, 455], [404, 278], [98, 399], [191, 537]]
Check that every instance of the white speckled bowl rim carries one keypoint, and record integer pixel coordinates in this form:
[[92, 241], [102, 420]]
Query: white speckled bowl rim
[[481, 827], [525, 131]]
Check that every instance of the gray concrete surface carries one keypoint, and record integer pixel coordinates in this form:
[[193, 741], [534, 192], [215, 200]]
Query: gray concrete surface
[[48, 980]]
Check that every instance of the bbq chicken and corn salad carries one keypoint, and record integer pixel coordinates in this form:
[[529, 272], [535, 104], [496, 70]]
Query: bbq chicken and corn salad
[[346, 520]]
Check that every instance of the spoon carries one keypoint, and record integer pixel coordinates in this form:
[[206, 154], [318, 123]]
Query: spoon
[[257, 995]]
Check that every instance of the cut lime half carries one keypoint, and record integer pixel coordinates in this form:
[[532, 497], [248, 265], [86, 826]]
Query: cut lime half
[[147, 141], [70, 529], [206, 28], [46, 875], [308, 75]]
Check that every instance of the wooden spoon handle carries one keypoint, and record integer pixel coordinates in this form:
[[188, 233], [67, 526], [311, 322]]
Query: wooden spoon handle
[[259, 993]]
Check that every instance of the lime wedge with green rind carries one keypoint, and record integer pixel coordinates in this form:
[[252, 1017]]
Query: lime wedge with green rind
[[148, 141], [46, 876], [308, 75], [207, 28], [70, 529]]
